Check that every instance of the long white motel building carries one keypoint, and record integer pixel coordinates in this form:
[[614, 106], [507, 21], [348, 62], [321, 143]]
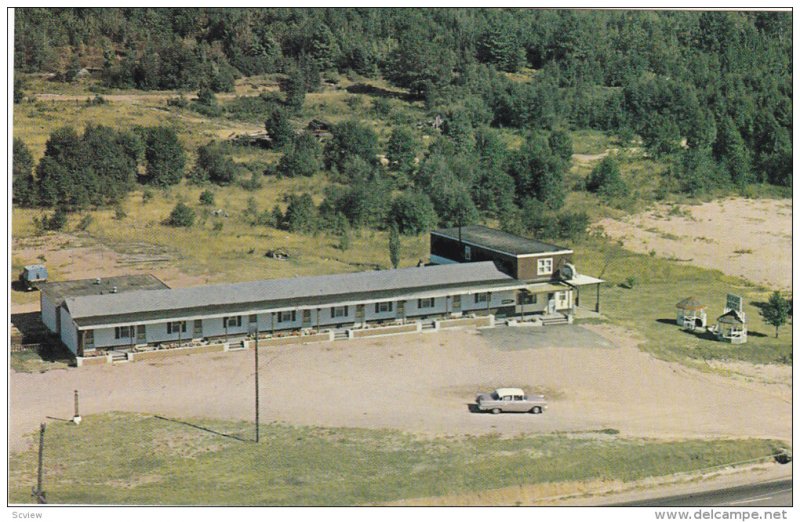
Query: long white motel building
[[474, 270]]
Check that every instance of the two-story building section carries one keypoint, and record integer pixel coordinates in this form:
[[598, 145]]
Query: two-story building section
[[552, 284]]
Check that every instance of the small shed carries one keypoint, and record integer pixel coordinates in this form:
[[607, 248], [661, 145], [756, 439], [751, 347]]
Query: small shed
[[32, 274], [691, 314], [731, 327]]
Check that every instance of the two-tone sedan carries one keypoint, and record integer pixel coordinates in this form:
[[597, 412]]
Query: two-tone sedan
[[511, 400]]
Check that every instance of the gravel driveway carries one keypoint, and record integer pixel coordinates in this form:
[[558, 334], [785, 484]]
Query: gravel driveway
[[594, 376]]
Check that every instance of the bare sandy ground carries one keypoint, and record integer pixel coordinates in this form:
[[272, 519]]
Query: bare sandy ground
[[64, 254], [742, 237], [420, 383]]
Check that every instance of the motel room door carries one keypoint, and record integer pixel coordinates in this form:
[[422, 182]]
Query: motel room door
[[306, 318], [551, 303], [401, 309], [455, 304], [360, 313]]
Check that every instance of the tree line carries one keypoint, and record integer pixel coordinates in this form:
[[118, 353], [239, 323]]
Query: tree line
[[711, 89]]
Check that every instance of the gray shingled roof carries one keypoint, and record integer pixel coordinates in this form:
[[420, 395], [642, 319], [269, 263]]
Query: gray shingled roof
[[309, 290], [498, 240]]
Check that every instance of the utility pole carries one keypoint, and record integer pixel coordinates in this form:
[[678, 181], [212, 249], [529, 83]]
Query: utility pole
[[38, 494], [77, 417], [256, 352]]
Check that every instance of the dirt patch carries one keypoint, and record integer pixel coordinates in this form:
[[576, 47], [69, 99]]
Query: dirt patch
[[367, 383], [742, 237], [69, 257]]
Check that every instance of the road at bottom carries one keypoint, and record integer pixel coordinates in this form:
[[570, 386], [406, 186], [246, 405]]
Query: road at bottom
[[765, 494]]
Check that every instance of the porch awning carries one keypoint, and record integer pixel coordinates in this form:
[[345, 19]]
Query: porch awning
[[581, 280], [539, 288]]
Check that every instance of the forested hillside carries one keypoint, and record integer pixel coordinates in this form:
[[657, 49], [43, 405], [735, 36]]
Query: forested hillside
[[500, 92]]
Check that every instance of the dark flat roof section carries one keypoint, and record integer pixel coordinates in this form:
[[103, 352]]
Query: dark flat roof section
[[60, 290], [499, 241]]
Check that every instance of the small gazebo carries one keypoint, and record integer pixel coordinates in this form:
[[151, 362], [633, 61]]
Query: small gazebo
[[691, 314], [731, 327]]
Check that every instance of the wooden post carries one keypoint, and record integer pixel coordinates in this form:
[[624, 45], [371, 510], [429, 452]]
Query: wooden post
[[597, 304], [256, 356], [77, 417], [37, 491]]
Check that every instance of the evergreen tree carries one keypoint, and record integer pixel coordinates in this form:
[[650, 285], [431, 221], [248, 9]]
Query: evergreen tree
[[729, 150], [214, 165], [165, 156], [394, 246], [402, 149], [606, 180], [499, 46], [775, 311], [295, 89], [23, 186], [350, 139], [301, 215], [279, 128], [538, 172], [302, 158]]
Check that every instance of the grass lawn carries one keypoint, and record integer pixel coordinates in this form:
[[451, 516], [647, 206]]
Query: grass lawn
[[33, 362], [649, 307], [141, 459]]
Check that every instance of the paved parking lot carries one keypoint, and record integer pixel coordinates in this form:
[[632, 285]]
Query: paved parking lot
[[531, 337]]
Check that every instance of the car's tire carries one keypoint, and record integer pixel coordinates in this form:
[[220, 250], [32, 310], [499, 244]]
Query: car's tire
[[495, 411], [536, 409]]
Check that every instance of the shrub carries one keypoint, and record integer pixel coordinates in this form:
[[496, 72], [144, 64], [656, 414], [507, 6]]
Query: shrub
[[119, 213], [207, 197], [181, 216], [57, 221], [605, 179], [147, 195]]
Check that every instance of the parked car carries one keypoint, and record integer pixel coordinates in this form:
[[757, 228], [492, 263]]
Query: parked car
[[511, 400]]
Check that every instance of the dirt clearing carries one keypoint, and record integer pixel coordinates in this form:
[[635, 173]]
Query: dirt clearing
[[750, 238], [422, 383]]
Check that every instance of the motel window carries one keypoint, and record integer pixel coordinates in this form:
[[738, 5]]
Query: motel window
[[253, 318], [233, 322], [383, 307], [467, 253], [481, 297], [426, 302], [123, 332], [562, 296], [286, 316], [339, 311], [176, 326], [545, 266]]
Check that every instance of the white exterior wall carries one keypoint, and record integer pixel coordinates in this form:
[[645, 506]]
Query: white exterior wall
[[371, 315], [496, 301], [291, 325], [104, 337], [439, 305], [326, 315], [48, 313], [69, 334]]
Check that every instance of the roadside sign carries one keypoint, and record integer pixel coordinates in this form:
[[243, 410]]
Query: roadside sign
[[733, 302]]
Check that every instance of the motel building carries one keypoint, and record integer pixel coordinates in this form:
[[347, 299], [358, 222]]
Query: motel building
[[474, 271]]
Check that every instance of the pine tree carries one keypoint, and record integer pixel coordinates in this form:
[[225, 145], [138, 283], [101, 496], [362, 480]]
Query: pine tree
[[775, 311], [394, 246]]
